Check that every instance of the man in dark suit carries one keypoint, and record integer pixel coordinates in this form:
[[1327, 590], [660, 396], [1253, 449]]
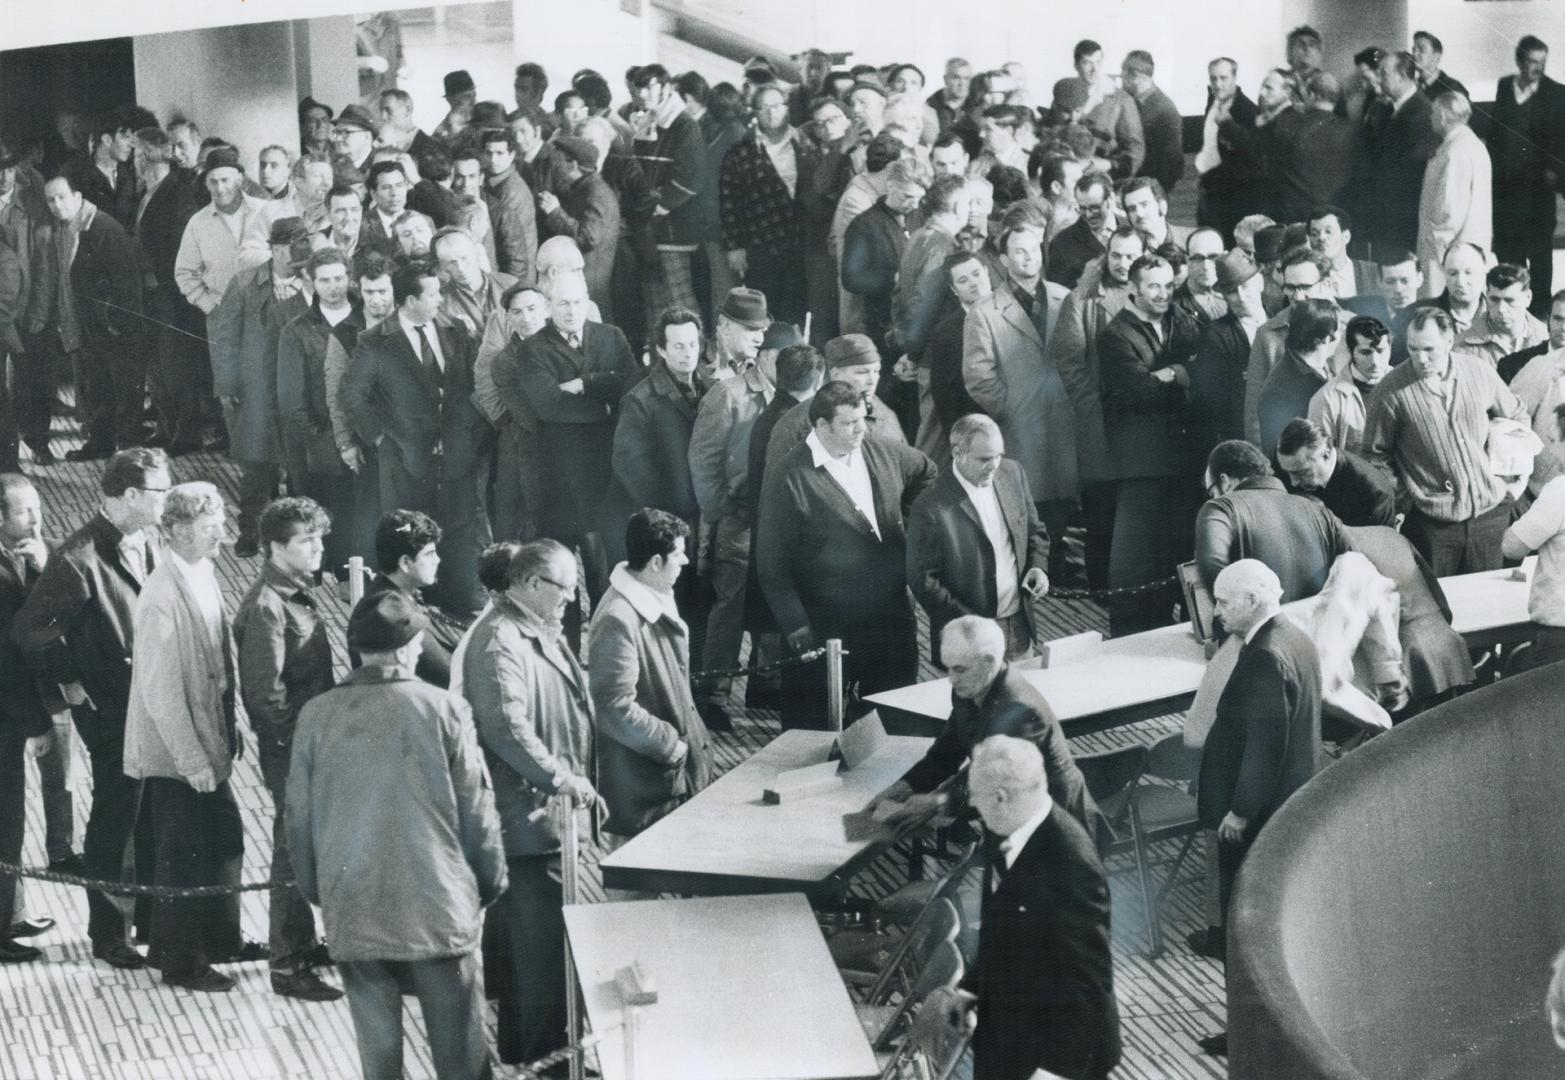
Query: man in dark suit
[[1044, 977], [1351, 488], [975, 543], [1399, 140], [75, 631], [1526, 145], [832, 551], [414, 402], [573, 373], [1144, 357], [26, 729], [1265, 741], [1250, 515], [1228, 176], [1222, 353]]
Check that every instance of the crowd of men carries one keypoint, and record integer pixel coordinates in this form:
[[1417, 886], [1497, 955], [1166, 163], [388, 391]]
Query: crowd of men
[[779, 359]]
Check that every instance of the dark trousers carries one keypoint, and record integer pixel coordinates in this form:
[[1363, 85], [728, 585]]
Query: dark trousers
[[1056, 516], [881, 655], [780, 275], [1548, 647], [200, 841], [1524, 221], [31, 394], [290, 922], [1154, 531], [455, 502], [1230, 856], [450, 992], [13, 815], [1097, 512], [117, 832], [180, 370], [531, 1014], [1460, 547], [258, 482], [727, 568], [110, 388]]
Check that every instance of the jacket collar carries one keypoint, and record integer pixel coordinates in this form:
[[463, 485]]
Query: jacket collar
[[1261, 483], [374, 673], [648, 604], [281, 583]]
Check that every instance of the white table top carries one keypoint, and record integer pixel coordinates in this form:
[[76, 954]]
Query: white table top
[[746, 990], [727, 831], [1167, 662]]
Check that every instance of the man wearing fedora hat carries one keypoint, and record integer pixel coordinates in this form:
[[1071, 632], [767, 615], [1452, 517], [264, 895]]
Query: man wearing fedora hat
[[353, 135], [585, 209], [244, 331], [461, 95]]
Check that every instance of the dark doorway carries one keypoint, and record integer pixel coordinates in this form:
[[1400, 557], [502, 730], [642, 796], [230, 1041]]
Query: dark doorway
[[42, 89]]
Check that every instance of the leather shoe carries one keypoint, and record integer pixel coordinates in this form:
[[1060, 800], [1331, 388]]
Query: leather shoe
[[71, 864], [12, 952], [715, 716], [303, 984], [89, 452], [120, 955], [1216, 1045], [32, 927], [1211, 943], [319, 956], [205, 980], [44, 457], [248, 953]]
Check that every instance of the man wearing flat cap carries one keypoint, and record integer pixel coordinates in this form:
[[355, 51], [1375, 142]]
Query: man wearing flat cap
[[393, 832], [461, 95], [353, 135], [208, 255], [852, 359], [584, 208], [244, 331]]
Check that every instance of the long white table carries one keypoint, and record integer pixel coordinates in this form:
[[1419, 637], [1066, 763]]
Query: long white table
[[746, 990], [727, 841], [1157, 672]]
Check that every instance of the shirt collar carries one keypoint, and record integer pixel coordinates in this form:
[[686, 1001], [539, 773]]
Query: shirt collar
[[968, 486], [650, 605], [1256, 629], [820, 455], [408, 326], [288, 587], [1013, 844]]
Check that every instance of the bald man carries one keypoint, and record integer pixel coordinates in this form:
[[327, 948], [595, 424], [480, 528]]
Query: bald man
[[1044, 978]]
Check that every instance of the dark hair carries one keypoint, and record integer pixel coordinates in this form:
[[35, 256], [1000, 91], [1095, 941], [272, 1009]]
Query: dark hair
[[1301, 433], [1173, 254], [1238, 459], [1127, 232], [1395, 257], [1529, 43], [1137, 183], [1344, 221], [725, 103], [1369, 57], [1366, 329], [407, 278], [1009, 185], [326, 256], [371, 265], [516, 290], [285, 518], [881, 151], [798, 366], [1423, 316], [593, 89], [1051, 168], [532, 559], [1145, 263], [1140, 61], [648, 73], [955, 259], [529, 70], [651, 532], [488, 114], [486, 136], [1004, 115], [69, 180], [403, 532], [1429, 39], [1304, 33], [1504, 275], [1093, 179], [1297, 256], [1020, 227], [130, 468], [824, 405], [1311, 323], [341, 191], [1085, 47], [435, 163], [947, 138], [494, 564], [675, 316], [939, 195], [897, 69], [692, 85]]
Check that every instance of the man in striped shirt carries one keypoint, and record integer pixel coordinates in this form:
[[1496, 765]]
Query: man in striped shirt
[[1429, 422]]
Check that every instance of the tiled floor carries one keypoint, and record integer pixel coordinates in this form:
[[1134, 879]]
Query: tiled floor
[[70, 1017]]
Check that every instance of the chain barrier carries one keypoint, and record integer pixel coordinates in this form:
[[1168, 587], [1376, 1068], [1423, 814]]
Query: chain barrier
[[130, 888], [807, 657], [1112, 594]]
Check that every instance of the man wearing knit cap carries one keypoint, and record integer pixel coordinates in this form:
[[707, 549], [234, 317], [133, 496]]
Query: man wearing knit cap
[[584, 208], [393, 832], [854, 360]]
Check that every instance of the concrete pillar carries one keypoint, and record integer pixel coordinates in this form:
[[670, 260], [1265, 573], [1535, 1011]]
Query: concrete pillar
[[324, 55]]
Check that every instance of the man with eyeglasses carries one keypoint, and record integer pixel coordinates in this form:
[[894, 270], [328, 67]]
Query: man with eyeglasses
[[1304, 277], [75, 631], [1087, 238]]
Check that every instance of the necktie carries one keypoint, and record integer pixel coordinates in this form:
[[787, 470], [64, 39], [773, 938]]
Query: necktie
[[574, 339], [426, 352], [994, 856], [1024, 298]]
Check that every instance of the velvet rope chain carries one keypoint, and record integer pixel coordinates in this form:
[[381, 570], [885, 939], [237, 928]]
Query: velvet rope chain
[[128, 888]]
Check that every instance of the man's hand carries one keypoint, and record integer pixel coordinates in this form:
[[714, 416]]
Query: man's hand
[[575, 386], [34, 551], [738, 262], [1036, 582], [377, 64], [1232, 828], [904, 369], [75, 695], [681, 752], [548, 202], [39, 745], [580, 789], [802, 640], [1165, 375], [229, 401], [353, 458], [921, 805], [204, 781]]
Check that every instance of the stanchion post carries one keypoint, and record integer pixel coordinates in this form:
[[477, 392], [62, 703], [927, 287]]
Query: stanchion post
[[834, 701], [355, 580], [570, 884], [632, 1034]]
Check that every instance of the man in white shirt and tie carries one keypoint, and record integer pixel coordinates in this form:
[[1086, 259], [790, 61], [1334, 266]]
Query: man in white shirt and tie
[[975, 543]]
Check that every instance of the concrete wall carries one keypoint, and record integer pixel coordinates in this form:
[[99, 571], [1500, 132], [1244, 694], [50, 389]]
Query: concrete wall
[[1480, 39]]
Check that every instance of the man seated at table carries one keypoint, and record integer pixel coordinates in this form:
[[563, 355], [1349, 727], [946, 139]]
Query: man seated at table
[[1347, 485], [1045, 977], [989, 697]]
